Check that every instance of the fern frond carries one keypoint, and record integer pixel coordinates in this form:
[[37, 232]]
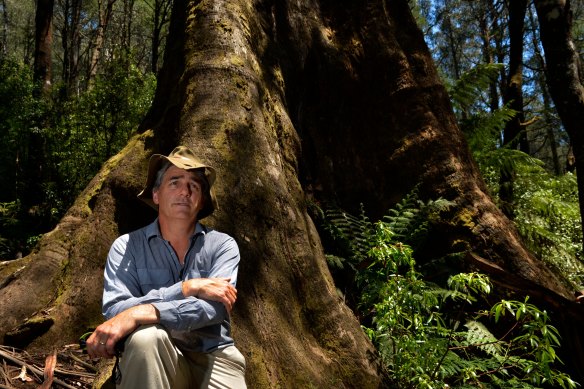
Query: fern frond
[[509, 160], [352, 230], [410, 218], [479, 336], [464, 91], [482, 129], [336, 262]]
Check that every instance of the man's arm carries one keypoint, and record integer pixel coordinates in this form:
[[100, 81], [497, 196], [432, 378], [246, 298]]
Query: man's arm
[[212, 289], [103, 340], [201, 302], [105, 337]]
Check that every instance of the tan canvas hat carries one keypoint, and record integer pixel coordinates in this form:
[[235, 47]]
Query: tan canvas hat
[[181, 157]]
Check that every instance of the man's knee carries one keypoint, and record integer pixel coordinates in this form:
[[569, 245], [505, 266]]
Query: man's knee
[[145, 338]]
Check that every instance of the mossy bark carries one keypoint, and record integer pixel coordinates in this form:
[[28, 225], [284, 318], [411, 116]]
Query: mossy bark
[[291, 102]]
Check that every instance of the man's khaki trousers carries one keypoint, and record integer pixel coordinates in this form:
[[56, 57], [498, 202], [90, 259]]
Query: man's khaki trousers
[[151, 360]]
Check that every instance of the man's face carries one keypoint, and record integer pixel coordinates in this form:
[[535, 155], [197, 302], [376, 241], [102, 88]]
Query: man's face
[[179, 195]]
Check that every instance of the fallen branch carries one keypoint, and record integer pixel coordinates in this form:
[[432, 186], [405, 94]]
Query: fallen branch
[[80, 361]]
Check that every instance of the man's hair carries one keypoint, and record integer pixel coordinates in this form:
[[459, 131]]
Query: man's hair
[[199, 175]]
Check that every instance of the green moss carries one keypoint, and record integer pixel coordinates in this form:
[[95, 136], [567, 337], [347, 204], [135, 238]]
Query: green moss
[[31, 329], [465, 218], [258, 377], [83, 203]]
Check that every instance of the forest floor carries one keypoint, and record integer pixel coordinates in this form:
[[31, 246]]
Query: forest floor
[[69, 367]]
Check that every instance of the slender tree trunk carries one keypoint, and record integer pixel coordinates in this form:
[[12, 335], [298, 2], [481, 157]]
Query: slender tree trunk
[[160, 19], [4, 37], [514, 135], [486, 21], [105, 14], [70, 41], [29, 41], [43, 43], [564, 75], [550, 123], [126, 38]]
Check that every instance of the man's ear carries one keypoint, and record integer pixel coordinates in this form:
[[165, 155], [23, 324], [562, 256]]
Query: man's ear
[[155, 197]]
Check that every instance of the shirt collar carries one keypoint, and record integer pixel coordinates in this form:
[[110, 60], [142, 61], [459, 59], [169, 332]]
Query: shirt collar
[[153, 229]]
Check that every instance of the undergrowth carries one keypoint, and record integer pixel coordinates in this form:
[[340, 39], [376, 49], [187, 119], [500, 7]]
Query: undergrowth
[[432, 336]]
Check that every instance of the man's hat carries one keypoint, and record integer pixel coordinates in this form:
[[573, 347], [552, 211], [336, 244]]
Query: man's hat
[[181, 157]]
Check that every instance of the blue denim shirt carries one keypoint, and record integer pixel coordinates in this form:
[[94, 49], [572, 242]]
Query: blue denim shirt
[[142, 268]]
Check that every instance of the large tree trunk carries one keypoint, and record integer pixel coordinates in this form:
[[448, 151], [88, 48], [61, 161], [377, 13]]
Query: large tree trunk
[[290, 101]]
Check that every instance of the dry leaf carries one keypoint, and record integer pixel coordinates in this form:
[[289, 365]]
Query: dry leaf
[[23, 376]]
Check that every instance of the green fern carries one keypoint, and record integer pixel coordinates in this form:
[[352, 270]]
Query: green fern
[[479, 336], [350, 234], [463, 93], [547, 210], [409, 220], [482, 129], [416, 331], [546, 207]]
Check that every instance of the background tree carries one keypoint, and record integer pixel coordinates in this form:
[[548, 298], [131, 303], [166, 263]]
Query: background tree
[[45, 136], [161, 16], [43, 44], [105, 14], [70, 29], [4, 36], [564, 75], [514, 134]]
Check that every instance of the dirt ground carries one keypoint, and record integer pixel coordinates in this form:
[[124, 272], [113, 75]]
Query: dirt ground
[[69, 367]]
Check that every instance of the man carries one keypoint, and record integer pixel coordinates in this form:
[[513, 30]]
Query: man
[[170, 286]]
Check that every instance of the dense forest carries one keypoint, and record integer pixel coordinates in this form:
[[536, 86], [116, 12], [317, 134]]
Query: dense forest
[[71, 98], [87, 84]]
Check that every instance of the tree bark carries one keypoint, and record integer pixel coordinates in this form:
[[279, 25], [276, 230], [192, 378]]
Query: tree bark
[[291, 102], [43, 42], [70, 41], [564, 75], [161, 12], [105, 14], [514, 134], [4, 36]]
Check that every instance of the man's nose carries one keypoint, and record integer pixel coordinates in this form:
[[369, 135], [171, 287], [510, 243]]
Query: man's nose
[[186, 190]]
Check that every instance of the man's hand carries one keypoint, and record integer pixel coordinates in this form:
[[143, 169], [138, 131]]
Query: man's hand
[[103, 340], [213, 289]]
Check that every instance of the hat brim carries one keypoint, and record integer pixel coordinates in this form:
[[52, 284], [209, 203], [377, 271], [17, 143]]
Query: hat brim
[[155, 164]]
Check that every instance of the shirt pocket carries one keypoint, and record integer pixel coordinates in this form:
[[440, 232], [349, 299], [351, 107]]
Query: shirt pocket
[[154, 279]]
